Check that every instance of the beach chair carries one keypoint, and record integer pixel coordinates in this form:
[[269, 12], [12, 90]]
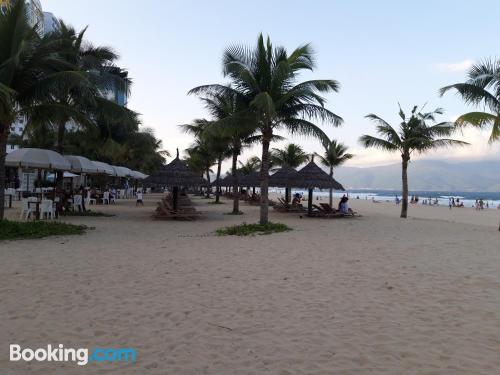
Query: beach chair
[[89, 200], [77, 202], [327, 208], [47, 209], [105, 197], [25, 210]]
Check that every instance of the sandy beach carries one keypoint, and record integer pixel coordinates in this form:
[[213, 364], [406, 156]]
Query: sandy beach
[[369, 295]]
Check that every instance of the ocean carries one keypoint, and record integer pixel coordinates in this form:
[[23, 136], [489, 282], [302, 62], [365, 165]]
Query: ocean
[[467, 197]]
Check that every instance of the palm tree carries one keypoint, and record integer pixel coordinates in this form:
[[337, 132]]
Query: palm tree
[[231, 128], [335, 155], [86, 96], [29, 69], [482, 88], [413, 135], [265, 79], [251, 165], [202, 152], [291, 155]]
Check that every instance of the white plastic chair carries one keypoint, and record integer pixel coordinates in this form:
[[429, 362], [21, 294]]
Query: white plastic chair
[[105, 197], [25, 209], [89, 200], [77, 202], [47, 209], [112, 199]]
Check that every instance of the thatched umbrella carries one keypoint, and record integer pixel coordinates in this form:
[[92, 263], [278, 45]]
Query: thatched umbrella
[[176, 174], [285, 177], [312, 176]]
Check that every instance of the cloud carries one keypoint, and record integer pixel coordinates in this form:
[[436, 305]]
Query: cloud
[[459, 67]]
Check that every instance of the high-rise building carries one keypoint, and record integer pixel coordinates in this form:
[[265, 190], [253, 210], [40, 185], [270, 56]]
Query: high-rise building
[[33, 11], [50, 23], [46, 22], [118, 94]]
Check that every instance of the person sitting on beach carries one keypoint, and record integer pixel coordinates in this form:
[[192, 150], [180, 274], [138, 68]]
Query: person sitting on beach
[[296, 201], [344, 206]]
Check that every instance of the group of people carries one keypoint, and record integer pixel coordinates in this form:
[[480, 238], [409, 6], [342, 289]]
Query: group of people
[[480, 205], [455, 203]]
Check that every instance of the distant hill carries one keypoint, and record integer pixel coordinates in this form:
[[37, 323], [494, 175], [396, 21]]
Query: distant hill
[[426, 175]]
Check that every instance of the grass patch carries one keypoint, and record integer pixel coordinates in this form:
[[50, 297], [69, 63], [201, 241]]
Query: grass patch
[[16, 230], [253, 229], [234, 213], [86, 213], [214, 202]]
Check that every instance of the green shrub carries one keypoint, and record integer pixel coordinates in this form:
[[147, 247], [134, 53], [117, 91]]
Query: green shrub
[[252, 229], [86, 213], [16, 230]]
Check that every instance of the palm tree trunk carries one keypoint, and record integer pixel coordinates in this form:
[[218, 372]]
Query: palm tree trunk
[[4, 129], [264, 180], [331, 190], [61, 131], [404, 203], [217, 181], [236, 193], [208, 179]]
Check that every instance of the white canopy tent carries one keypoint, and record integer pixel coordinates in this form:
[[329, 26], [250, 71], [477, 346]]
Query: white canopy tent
[[104, 168], [80, 164], [37, 158], [122, 171], [138, 175]]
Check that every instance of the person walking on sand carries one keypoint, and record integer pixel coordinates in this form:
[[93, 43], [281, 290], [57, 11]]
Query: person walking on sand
[[139, 198]]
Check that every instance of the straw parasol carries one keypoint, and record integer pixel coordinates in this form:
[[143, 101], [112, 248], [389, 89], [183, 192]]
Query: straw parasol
[[311, 177], [176, 174], [286, 177], [251, 180]]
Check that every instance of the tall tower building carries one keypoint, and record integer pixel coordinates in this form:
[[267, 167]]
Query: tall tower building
[[50, 22], [33, 11]]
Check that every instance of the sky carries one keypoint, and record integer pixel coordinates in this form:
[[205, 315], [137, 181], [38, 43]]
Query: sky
[[382, 53]]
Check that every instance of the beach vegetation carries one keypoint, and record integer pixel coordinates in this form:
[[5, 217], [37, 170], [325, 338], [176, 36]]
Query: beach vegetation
[[265, 79], [482, 89], [17, 230], [414, 135], [253, 229], [334, 155]]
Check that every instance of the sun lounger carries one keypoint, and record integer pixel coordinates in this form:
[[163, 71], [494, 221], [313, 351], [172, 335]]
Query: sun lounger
[[184, 211]]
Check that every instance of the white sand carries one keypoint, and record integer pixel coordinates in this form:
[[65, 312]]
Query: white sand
[[373, 295]]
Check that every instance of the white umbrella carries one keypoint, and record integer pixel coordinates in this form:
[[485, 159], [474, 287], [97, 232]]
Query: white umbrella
[[37, 158], [104, 168], [80, 164], [122, 171], [139, 175]]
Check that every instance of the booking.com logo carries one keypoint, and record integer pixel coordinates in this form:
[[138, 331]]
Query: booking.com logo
[[81, 355]]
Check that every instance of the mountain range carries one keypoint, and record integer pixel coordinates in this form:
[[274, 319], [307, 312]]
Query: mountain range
[[425, 175]]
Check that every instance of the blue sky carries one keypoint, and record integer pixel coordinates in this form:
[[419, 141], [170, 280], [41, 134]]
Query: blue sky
[[382, 53]]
